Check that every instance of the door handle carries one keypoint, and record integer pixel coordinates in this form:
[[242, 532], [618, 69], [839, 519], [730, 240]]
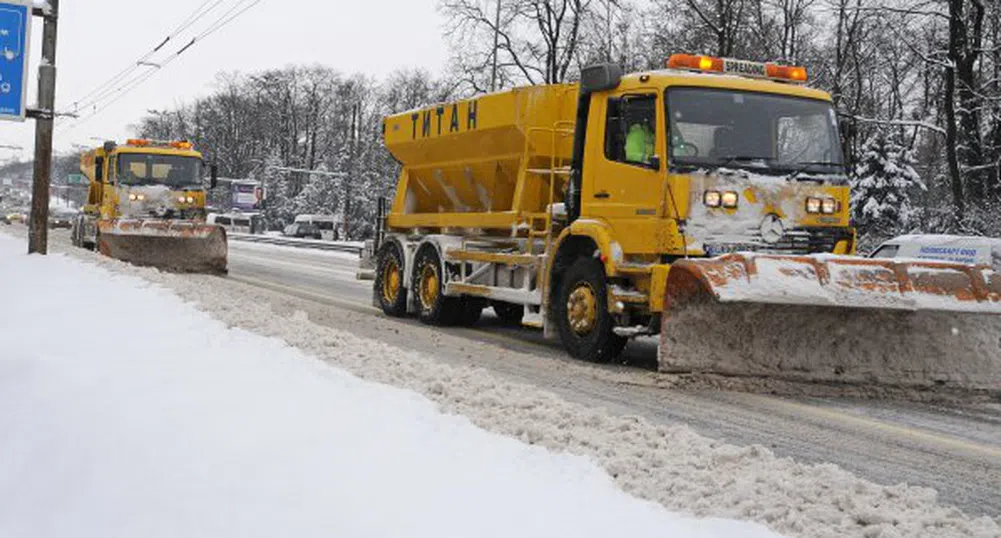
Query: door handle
[[601, 194]]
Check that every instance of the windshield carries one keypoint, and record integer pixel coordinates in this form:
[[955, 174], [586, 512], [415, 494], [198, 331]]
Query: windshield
[[149, 169], [753, 130]]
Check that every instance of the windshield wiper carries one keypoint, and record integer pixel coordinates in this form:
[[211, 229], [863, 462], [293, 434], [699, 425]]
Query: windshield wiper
[[730, 159], [804, 165]]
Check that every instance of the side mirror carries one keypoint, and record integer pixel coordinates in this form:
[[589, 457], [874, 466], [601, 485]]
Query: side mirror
[[654, 162], [99, 169], [109, 146], [214, 176], [600, 77]]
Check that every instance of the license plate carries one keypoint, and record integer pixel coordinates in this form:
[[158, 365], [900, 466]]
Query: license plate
[[718, 249]]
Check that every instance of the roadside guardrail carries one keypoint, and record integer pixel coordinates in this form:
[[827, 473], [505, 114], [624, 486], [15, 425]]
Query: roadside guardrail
[[338, 246]]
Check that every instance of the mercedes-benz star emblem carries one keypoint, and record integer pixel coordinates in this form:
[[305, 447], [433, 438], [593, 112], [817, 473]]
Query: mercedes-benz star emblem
[[772, 229]]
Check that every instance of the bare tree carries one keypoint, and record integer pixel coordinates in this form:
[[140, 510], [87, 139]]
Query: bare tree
[[536, 40]]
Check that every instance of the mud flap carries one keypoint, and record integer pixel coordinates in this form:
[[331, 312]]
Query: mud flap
[[834, 319], [175, 246]]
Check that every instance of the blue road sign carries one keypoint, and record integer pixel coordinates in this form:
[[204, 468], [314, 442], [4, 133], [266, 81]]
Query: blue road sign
[[15, 25]]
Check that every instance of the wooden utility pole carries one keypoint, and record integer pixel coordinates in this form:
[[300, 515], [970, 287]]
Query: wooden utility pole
[[38, 224], [493, 67]]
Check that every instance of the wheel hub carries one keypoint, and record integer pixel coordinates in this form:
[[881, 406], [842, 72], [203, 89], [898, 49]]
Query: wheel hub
[[582, 309]]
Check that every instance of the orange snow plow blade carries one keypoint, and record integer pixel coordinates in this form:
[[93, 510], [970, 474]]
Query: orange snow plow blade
[[834, 318], [176, 246]]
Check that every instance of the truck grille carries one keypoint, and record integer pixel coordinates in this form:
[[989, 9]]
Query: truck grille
[[808, 241]]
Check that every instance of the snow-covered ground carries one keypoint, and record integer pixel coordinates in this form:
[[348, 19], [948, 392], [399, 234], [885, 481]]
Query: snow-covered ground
[[125, 411]]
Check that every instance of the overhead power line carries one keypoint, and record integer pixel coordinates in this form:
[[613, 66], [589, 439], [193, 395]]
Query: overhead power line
[[99, 92], [137, 80]]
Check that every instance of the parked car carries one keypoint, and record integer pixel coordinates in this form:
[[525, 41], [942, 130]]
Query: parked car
[[324, 226], [302, 230], [232, 222], [953, 248], [16, 217]]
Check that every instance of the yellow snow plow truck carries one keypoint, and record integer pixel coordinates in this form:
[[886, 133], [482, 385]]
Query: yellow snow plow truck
[[707, 202], [146, 206]]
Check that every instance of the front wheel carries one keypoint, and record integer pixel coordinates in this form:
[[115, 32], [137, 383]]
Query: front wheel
[[585, 325]]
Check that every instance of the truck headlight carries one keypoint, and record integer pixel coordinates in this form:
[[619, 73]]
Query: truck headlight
[[190, 200], [137, 197], [813, 205], [712, 198], [730, 200], [829, 206]]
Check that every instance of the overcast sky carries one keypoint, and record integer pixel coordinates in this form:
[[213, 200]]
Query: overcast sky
[[99, 38]]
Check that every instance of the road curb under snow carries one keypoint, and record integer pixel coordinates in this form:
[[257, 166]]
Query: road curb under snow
[[673, 466]]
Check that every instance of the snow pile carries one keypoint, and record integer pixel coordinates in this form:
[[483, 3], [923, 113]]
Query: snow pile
[[129, 413], [670, 465]]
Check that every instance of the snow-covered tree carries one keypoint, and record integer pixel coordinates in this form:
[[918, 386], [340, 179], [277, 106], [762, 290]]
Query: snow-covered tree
[[883, 180]]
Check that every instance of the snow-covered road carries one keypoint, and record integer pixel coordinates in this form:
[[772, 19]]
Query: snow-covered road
[[953, 446], [128, 412]]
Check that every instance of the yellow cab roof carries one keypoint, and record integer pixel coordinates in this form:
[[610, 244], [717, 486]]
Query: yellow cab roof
[[677, 77]]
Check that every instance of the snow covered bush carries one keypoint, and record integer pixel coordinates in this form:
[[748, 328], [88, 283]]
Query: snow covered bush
[[882, 182]]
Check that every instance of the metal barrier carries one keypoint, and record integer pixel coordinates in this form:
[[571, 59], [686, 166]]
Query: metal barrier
[[297, 243]]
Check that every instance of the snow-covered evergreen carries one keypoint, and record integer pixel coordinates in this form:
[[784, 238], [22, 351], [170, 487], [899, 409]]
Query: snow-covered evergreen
[[884, 179]]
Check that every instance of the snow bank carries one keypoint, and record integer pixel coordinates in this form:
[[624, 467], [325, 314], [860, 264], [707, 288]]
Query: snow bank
[[130, 413], [673, 466]]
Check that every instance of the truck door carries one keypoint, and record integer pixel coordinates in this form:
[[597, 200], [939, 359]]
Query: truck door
[[626, 164]]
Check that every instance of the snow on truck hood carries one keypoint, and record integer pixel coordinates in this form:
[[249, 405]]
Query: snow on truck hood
[[748, 222]]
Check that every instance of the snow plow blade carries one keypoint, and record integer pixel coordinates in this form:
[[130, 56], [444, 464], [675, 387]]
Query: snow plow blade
[[834, 318], [175, 246]]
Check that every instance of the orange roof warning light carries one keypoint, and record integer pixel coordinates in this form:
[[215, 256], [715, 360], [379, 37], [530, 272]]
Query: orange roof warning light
[[785, 73]]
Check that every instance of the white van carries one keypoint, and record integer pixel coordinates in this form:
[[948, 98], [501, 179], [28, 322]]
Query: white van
[[232, 222], [953, 248], [323, 225]]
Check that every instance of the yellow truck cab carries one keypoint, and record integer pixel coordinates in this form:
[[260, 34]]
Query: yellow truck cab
[[565, 206]]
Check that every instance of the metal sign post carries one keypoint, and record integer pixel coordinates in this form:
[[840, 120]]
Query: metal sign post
[[15, 36], [38, 229]]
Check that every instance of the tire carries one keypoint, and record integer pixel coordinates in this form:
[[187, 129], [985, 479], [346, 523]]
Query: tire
[[428, 286], [472, 310], [388, 286], [585, 325], [509, 313]]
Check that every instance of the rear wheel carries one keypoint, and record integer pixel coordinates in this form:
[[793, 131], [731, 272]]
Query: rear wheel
[[509, 314], [585, 325], [389, 281], [435, 307]]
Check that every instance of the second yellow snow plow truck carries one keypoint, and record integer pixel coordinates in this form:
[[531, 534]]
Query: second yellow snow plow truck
[[707, 202], [146, 206]]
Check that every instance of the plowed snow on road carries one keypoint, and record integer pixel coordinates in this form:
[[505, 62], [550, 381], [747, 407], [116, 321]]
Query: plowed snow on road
[[673, 466]]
